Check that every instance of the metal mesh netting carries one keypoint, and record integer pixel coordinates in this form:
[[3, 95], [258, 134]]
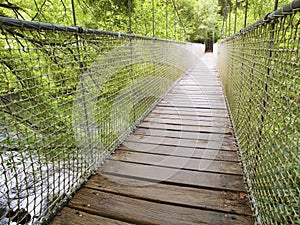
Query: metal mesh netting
[[68, 97], [259, 69]]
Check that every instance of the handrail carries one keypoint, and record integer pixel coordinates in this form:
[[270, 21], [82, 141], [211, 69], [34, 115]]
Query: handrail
[[24, 24]]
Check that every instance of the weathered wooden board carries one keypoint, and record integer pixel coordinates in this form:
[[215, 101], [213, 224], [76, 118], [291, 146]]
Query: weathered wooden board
[[215, 98], [200, 89], [188, 117], [206, 144], [178, 127], [175, 176], [188, 163], [196, 92], [224, 201], [69, 216], [139, 211], [196, 103], [192, 111], [180, 121], [185, 134], [196, 153], [190, 102]]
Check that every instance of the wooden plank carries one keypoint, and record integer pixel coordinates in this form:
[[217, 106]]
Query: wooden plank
[[181, 121], [196, 102], [191, 105], [175, 176], [196, 91], [180, 151], [189, 82], [198, 78], [144, 212], [198, 88], [218, 130], [68, 216], [199, 97], [209, 165], [224, 201], [186, 111], [229, 146], [193, 100], [184, 134], [188, 117], [196, 110]]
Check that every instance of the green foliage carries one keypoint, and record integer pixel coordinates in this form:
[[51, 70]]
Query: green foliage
[[37, 102], [200, 18], [256, 10], [192, 20]]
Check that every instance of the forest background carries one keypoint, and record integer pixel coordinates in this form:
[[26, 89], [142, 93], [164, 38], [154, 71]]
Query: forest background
[[186, 20]]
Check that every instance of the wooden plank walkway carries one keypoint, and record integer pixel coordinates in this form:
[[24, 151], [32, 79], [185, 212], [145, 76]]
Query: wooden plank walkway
[[179, 167]]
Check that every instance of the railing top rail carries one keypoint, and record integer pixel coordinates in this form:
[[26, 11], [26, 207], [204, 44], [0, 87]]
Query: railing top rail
[[25, 24], [272, 17]]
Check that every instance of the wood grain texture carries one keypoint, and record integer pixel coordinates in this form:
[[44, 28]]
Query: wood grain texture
[[185, 135], [221, 155], [179, 167], [188, 117], [188, 163], [146, 212], [174, 176], [223, 201], [181, 121], [207, 144], [69, 216], [181, 127]]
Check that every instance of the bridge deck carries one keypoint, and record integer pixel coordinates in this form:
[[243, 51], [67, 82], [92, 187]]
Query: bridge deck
[[180, 166]]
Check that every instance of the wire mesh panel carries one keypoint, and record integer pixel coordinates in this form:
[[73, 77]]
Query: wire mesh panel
[[68, 97], [259, 68]]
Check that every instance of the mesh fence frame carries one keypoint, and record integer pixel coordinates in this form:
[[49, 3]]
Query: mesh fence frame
[[259, 69], [68, 98]]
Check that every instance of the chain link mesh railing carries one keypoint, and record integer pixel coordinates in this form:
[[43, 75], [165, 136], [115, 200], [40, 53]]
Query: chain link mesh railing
[[259, 68], [68, 97]]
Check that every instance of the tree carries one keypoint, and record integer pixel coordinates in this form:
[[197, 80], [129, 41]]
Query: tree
[[201, 18]]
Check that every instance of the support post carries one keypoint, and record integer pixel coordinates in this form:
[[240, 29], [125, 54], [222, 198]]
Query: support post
[[82, 87], [153, 19], [130, 16], [275, 5], [229, 24], [167, 17], [235, 15], [246, 14]]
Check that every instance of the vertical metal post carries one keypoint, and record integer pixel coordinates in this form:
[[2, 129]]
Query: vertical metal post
[[235, 16], [266, 86], [153, 20], [276, 5], [223, 25], [246, 14], [175, 29], [226, 17], [131, 61], [129, 16], [82, 88], [167, 17], [229, 25]]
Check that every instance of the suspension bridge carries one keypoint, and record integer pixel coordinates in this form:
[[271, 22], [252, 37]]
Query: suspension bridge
[[102, 127]]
